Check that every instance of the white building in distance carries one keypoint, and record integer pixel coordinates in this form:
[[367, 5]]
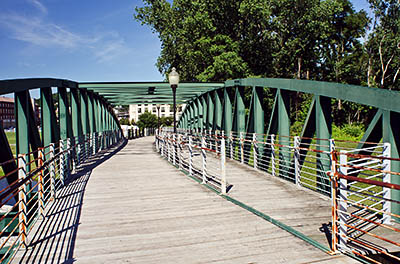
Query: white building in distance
[[166, 110]]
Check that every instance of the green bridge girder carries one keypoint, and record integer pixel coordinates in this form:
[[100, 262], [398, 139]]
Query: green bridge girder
[[385, 126], [87, 107]]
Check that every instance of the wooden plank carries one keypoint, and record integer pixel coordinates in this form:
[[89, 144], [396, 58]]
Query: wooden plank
[[133, 206]]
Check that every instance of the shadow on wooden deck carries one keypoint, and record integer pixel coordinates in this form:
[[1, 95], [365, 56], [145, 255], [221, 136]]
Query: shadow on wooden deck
[[53, 238]]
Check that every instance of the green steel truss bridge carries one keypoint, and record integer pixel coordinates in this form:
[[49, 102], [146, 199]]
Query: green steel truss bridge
[[341, 197]]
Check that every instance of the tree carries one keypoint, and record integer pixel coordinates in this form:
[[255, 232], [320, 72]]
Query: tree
[[124, 121], [383, 46], [147, 120], [166, 121]]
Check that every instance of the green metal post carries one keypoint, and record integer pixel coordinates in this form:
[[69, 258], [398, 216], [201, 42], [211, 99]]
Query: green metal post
[[391, 129], [218, 95], [210, 111], [63, 112], [204, 106], [22, 122], [76, 113], [284, 133], [200, 123], [196, 115], [324, 131], [240, 114], [49, 121]]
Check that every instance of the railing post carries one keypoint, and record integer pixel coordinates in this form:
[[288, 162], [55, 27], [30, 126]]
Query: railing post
[[342, 204], [386, 167], [296, 146], [190, 156], [62, 162], [22, 173], [174, 149], [255, 151], [273, 155], [94, 140], [41, 182], [69, 160], [216, 141], [223, 167], [52, 171], [210, 138], [231, 144], [180, 151], [204, 159], [241, 148], [335, 197], [169, 146], [162, 144]]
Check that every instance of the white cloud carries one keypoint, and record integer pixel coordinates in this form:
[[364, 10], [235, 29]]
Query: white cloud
[[39, 6], [36, 31]]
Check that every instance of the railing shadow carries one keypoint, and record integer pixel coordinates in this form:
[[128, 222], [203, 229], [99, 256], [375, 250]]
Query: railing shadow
[[53, 240]]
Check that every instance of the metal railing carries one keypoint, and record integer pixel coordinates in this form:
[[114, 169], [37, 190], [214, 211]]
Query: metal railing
[[25, 200], [359, 186]]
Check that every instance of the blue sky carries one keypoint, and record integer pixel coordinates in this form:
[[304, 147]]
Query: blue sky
[[80, 40]]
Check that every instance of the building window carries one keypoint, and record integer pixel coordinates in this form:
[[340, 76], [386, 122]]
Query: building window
[[163, 109], [154, 110], [139, 110]]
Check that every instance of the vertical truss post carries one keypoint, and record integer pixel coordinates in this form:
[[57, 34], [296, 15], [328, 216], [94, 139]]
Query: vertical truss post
[[240, 112], [217, 125], [204, 159], [22, 121], [190, 155], [22, 173], [76, 124], [272, 140], [284, 132], [92, 122], [342, 204], [223, 166], [196, 120], [204, 107], [210, 111], [200, 123], [296, 146], [323, 128], [386, 178], [85, 119], [391, 128], [242, 147], [227, 118], [63, 113]]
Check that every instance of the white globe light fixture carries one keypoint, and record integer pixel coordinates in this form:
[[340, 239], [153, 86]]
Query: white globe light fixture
[[173, 78]]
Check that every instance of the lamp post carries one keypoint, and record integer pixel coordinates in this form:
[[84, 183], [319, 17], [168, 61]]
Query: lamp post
[[173, 78]]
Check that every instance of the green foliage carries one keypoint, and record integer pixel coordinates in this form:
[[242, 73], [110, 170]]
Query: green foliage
[[213, 40], [124, 121], [148, 120], [167, 121], [383, 46], [352, 132]]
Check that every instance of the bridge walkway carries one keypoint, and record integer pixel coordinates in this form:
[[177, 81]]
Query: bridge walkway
[[129, 205]]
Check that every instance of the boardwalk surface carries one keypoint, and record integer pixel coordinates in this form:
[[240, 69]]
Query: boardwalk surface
[[131, 206]]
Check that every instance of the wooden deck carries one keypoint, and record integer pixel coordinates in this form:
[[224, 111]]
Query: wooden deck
[[129, 205]]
